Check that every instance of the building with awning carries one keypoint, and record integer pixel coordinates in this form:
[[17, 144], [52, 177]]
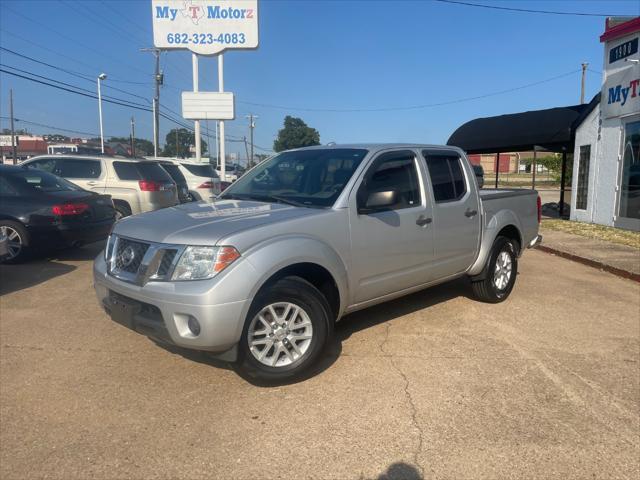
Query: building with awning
[[603, 136]]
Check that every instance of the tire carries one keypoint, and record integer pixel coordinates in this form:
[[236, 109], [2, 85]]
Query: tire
[[284, 353], [499, 274], [122, 210], [19, 241]]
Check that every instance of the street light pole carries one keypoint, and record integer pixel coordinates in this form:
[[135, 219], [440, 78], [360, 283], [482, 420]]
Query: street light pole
[[101, 77], [584, 72]]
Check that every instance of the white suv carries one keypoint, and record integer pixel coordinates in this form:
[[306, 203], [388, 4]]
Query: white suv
[[135, 186], [203, 181]]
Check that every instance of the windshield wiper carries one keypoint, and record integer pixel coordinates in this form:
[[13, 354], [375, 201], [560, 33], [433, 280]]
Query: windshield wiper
[[264, 198]]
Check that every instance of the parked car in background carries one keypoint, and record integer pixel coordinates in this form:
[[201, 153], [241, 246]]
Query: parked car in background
[[4, 245], [203, 181], [135, 185], [224, 186], [479, 173], [306, 237], [173, 169], [232, 172], [41, 210]]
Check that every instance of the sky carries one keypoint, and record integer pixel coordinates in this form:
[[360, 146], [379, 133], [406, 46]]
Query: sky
[[313, 56]]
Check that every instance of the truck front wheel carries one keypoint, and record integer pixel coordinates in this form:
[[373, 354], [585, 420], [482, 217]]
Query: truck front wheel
[[285, 331], [500, 273]]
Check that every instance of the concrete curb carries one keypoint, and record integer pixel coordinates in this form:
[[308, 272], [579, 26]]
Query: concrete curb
[[591, 263]]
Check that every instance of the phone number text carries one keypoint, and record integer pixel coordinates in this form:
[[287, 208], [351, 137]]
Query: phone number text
[[206, 38]]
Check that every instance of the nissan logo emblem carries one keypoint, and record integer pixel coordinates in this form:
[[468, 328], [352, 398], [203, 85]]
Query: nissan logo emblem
[[127, 256]]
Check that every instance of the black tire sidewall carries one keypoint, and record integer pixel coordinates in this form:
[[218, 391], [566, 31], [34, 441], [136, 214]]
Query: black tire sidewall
[[500, 245], [299, 292]]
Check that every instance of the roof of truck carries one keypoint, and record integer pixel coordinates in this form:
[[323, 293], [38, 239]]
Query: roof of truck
[[379, 146]]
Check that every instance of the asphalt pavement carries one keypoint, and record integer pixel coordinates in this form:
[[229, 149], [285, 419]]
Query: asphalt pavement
[[434, 385]]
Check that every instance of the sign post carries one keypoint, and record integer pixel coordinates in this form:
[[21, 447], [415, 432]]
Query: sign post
[[205, 27]]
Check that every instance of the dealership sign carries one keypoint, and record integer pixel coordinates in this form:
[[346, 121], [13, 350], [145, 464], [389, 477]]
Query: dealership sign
[[206, 27], [621, 93]]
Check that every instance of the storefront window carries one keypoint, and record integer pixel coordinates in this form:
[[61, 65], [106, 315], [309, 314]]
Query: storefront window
[[630, 187]]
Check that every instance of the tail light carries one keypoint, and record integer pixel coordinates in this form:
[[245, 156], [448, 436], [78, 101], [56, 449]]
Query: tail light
[[206, 185], [539, 203], [69, 209], [149, 186]]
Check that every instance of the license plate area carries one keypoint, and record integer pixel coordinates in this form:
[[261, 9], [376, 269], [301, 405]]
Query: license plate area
[[123, 310]]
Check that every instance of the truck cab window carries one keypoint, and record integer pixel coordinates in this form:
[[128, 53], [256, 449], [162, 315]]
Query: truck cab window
[[447, 177], [393, 171]]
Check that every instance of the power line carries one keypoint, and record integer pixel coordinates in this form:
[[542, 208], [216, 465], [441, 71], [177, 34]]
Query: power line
[[411, 107], [82, 76], [526, 10], [51, 127]]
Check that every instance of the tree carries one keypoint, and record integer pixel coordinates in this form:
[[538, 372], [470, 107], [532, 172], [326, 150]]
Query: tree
[[553, 163], [143, 146], [186, 139], [295, 134]]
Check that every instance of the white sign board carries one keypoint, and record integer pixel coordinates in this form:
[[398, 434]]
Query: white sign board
[[208, 106], [206, 27], [5, 140], [621, 93]]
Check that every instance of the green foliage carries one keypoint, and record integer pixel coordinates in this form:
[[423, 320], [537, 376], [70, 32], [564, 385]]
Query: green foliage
[[185, 140], [295, 134], [143, 146], [553, 163]]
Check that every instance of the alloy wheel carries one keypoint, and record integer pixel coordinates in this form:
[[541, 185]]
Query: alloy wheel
[[280, 334], [503, 270], [15, 241]]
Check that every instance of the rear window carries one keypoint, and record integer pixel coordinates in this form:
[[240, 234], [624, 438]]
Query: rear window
[[27, 182], [78, 168], [447, 178], [140, 171], [205, 170], [175, 172]]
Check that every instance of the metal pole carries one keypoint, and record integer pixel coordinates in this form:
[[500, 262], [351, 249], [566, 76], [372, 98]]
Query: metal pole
[[194, 62], [100, 115], [177, 142], [133, 137], [14, 148], [155, 132], [497, 167], [246, 149], [584, 72], [252, 125], [217, 145], [223, 161], [562, 181], [534, 167], [156, 102]]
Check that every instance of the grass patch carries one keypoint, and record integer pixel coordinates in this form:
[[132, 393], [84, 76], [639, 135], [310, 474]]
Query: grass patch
[[599, 232]]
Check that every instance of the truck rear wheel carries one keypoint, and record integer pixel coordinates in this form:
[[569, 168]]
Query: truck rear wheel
[[285, 331], [500, 273]]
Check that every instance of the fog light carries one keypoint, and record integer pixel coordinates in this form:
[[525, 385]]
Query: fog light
[[194, 326]]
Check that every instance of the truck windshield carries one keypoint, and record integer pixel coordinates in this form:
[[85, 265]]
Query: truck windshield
[[308, 178]]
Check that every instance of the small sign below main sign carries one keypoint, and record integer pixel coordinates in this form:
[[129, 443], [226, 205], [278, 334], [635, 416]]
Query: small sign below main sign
[[208, 106], [205, 27]]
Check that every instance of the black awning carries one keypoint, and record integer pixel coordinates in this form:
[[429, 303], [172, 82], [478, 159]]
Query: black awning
[[552, 129]]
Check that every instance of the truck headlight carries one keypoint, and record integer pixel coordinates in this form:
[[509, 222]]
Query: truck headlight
[[200, 263]]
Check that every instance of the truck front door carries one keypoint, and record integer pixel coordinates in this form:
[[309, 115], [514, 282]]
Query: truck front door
[[391, 230]]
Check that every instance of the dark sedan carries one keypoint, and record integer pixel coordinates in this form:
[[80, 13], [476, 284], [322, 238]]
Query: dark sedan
[[40, 210]]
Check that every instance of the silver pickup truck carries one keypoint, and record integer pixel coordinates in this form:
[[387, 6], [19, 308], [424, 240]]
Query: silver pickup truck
[[261, 275]]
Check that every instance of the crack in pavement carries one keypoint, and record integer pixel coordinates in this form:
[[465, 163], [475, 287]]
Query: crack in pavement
[[412, 405]]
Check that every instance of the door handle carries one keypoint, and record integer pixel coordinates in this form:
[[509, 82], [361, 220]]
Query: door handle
[[470, 213], [92, 183], [422, 220]]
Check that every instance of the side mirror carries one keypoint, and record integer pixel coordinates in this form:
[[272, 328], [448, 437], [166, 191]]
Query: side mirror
[[379, 201]]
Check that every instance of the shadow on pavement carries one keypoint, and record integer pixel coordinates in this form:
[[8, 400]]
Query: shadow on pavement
[[400, 471], [349, 325], [18, 277], [44, 266]]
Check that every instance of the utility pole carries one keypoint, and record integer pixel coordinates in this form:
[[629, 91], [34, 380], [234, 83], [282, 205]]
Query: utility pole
[[133, 137], [13, 130], [177, 142], [252, 125], [159, 79], [584, 72], [246, 149]]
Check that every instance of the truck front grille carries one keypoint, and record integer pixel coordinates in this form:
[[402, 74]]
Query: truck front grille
[[138, 262], [129, 255]]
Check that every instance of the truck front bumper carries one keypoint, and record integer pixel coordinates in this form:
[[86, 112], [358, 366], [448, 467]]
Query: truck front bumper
[[189, 316]]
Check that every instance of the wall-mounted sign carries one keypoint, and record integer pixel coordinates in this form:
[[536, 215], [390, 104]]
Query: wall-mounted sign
[[621, 93], [623, 50], [208, 106], [206, 27], [5, 140]]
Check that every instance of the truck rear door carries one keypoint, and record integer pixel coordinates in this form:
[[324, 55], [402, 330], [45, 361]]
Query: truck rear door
[[456, 212]]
